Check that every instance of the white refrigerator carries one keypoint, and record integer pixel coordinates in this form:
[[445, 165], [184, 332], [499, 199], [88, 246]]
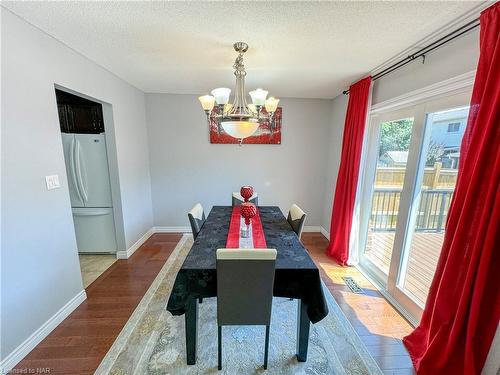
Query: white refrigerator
[[90, 192]]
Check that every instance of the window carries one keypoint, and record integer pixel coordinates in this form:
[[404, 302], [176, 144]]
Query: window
[[453, 127]]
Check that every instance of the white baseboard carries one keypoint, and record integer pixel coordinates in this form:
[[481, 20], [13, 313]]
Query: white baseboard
[[125, 254], [325, 233], [312, 228], [175, 229], [315, 229], [181, 229], [29, 344]]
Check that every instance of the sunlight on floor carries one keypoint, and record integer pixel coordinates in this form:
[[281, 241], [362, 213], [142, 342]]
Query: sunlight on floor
[[370, 313]]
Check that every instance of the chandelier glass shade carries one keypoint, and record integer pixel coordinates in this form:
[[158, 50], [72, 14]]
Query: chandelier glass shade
[[240, 119], [207, 102], [240, 129]]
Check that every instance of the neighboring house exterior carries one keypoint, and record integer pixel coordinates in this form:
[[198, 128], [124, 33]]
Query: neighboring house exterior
[[448, 128], [394, 159]]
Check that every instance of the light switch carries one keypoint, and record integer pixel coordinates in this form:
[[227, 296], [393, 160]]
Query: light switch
[[52, 182]]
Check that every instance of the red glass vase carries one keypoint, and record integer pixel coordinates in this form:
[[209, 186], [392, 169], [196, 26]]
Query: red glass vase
[[246, 192], [248, 211]]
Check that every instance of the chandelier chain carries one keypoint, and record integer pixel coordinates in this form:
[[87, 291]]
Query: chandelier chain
[[239, 67]]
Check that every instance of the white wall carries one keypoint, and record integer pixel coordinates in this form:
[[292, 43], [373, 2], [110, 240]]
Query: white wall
[[336, 132], [458, 57], [40, 270], [186, 168], [451, 60]]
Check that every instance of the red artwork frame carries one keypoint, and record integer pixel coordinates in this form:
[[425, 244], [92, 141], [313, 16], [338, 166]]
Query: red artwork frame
[[263, 134]]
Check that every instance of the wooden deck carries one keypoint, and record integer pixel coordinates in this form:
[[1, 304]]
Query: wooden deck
[[422, 259]]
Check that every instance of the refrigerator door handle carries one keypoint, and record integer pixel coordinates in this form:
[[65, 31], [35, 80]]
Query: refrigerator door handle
[[92, 212], [73, 169], [79, 173]]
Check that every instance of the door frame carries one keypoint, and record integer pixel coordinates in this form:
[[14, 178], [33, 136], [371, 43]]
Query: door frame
[[109, 127], [417, 104]]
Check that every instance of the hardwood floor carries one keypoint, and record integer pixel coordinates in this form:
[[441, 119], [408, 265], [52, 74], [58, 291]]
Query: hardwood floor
[[377, 323], [79, 343]]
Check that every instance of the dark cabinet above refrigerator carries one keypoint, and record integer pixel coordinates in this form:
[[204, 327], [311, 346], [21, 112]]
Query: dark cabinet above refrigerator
[[79, 115]]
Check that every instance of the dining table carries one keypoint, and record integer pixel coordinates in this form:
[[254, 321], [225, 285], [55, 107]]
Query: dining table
[[296, 275]]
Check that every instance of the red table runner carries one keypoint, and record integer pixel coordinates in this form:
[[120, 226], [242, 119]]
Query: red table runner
[[257, 240]]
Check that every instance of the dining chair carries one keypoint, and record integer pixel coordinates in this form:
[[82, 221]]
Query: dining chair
[[238, 199], [245, 280], [196, 219], [296, 218]]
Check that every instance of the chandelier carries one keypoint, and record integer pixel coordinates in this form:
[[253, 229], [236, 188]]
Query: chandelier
[[239, 119]]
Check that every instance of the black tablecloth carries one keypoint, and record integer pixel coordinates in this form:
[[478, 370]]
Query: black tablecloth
[[296, 274]]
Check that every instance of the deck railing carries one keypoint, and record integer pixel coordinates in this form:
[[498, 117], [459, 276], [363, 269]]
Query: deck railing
[[431, 214]]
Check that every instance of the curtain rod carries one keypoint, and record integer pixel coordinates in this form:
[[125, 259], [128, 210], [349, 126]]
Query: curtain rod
[[423, 51]]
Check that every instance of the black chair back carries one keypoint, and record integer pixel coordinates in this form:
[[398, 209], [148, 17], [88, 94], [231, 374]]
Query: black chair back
[[245, 281], [196, 219]]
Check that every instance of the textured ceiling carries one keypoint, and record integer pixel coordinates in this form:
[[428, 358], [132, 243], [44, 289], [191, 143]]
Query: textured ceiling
[[297, 49]]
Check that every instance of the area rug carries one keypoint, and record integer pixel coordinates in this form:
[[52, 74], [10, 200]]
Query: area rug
[[152, 342]]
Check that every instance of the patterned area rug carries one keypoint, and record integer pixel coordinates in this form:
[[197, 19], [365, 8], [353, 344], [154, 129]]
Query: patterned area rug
[[152, 342]]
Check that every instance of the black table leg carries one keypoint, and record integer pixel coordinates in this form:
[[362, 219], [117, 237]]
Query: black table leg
[[191, 319], [303, 324]]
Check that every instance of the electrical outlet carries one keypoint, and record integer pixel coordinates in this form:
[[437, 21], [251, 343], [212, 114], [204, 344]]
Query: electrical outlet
[[52, 182]]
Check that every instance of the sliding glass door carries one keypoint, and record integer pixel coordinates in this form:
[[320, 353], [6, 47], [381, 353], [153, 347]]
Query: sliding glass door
[[389, 152], [410, 172]]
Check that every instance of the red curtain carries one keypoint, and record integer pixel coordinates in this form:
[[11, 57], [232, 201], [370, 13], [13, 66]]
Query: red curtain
[[347, 179], [463, 307]]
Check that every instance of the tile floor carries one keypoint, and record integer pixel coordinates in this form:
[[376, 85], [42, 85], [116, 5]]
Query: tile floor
[[92, 266]]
